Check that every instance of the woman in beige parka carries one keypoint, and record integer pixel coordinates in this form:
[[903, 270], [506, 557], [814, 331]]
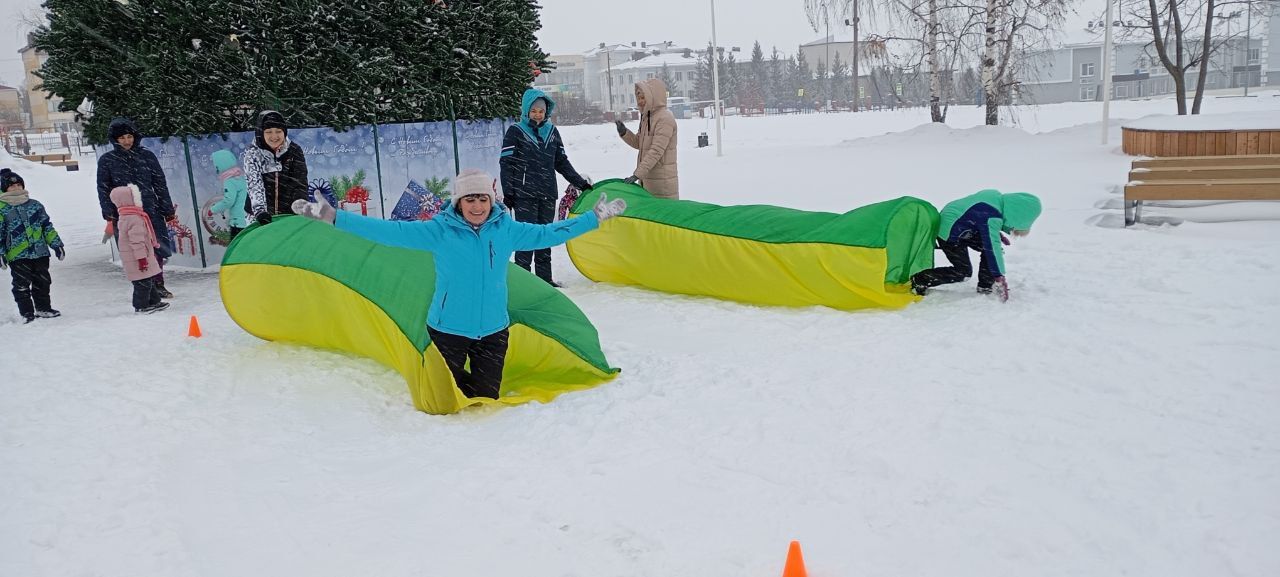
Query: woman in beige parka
[[656, 141]]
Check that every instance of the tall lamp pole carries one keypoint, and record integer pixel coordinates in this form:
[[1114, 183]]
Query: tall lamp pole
[[856, 92], [1248, 26], [715, 76], [1106, 75]]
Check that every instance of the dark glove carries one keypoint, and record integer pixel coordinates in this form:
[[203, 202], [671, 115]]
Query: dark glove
[[1004, 240], [108, 216], [171, 218], [263, 218], [585, 186], [631, 179], [1002, 289], [622, 128], [60, 252], [142, 264]]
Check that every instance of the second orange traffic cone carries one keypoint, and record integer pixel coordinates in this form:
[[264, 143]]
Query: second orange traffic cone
[[194, 329], [795, 562]]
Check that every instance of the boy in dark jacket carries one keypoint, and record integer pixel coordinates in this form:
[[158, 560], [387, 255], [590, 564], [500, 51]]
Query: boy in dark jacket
[[26, 239], [532, 154], [978, 222], [129, 163], [275, 169]]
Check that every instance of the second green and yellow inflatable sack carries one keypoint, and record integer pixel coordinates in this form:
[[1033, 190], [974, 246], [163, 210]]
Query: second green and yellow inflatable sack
[[765, 255]]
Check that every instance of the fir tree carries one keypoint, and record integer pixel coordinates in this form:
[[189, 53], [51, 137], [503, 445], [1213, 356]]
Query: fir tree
[[703, 83], [668, 80], [180, 67]]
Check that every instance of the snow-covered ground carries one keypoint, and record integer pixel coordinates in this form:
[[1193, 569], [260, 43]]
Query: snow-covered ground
[[1117, 417]]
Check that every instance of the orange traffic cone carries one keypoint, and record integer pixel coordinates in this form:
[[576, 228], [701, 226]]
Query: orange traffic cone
[[194, 329], [795, 562]]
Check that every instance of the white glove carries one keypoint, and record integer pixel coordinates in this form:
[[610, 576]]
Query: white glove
[[606, 209], [319, 210]]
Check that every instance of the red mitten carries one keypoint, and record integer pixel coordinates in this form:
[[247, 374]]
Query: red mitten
[[1004, 240], [142, 264]]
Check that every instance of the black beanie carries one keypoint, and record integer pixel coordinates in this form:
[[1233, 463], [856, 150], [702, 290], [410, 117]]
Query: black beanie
[[269, 119], [272, 119], [9, 178]]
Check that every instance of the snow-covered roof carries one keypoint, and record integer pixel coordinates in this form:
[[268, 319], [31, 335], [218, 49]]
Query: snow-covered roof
[[675, 59], [597, 49], [1196, 122]]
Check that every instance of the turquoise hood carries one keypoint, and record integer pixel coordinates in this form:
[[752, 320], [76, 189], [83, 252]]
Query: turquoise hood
[[526, 124]]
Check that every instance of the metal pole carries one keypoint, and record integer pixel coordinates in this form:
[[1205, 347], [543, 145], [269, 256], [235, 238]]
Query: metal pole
[[1106, 76], [827, 17], [608, 62], [715, 77], [856, 92], [1248, 19]]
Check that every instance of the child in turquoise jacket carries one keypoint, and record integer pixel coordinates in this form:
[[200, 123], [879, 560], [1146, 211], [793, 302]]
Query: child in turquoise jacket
[[978, 222], [234, 190]]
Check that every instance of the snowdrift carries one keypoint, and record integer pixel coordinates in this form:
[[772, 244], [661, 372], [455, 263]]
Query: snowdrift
[[760, 254], [300, 281]]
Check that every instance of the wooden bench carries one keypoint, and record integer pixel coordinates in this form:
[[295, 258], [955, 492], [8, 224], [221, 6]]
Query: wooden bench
[[55, 159], [1247, 177], [49, 157]]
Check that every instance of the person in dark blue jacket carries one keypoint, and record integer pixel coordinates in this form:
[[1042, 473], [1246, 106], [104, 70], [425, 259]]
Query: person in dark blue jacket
[[532, 154], [129, 163], [471, 243]]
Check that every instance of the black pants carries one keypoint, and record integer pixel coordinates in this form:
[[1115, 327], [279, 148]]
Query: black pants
[[31, 283], [957, 254], [487, 356], [536, 210], [146, 293]]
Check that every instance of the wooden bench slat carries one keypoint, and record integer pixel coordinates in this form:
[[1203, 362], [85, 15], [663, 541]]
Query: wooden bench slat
[[1209, 161], [1241, 189], [1205, 173]]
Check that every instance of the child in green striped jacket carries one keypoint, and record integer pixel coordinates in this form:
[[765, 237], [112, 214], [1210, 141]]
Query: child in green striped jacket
[[26, 239]]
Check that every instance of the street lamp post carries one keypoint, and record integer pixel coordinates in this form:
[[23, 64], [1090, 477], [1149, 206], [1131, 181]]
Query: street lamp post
[[608, 60], [1106, 75], [715, 77], [1248, 25]]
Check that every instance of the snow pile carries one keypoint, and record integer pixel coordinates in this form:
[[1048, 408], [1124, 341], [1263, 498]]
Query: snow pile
[[1208, 122], [1117, 416]]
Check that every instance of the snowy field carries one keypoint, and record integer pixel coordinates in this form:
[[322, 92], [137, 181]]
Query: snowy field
[[1119, 416]]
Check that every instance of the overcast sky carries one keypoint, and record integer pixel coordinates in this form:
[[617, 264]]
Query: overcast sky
[[572, 26]]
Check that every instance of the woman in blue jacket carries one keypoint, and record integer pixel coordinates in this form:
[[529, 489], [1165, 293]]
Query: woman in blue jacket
[[471, 243]]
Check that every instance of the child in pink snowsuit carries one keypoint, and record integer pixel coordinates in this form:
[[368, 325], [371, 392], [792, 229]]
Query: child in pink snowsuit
[[137, 240]]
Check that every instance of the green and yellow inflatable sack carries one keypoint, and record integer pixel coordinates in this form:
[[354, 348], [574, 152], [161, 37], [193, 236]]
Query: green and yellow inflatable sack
[[300, 281], [764, 255]]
